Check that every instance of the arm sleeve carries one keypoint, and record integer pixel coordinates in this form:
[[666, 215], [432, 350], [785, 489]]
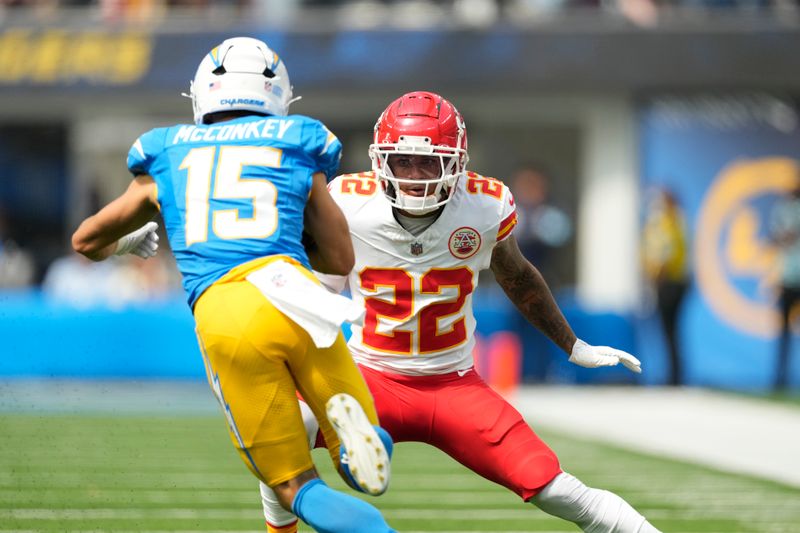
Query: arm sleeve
[[508, 216]]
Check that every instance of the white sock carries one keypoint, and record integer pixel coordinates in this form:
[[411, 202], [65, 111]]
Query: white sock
[[593, 510], [274, 513]]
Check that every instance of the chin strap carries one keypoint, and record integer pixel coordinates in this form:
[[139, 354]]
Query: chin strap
[[406, 202]]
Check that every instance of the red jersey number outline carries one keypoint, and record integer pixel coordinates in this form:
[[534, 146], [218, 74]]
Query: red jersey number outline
[[430, 338]]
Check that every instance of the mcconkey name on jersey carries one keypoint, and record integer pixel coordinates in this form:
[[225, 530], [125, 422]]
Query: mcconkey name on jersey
[[234, 191], [417, 290]]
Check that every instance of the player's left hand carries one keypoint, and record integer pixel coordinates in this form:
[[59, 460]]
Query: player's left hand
[[143, 242], [589, 356]]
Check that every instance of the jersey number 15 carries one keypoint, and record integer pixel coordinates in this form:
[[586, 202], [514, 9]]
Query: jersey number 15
[[228, 184]]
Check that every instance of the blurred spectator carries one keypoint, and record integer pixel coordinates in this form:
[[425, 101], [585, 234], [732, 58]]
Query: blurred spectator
[[785, 232], [16, 265], [131, 10], [664, 253], [642, 13], [81, 283], [542, 227]]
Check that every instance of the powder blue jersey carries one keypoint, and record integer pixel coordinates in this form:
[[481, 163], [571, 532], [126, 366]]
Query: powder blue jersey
[[234, 191]]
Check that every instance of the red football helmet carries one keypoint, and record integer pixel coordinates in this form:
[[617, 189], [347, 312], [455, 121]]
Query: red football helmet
[[420, 123]]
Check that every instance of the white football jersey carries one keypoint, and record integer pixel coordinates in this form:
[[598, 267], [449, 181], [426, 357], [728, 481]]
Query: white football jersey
[[417, 290]]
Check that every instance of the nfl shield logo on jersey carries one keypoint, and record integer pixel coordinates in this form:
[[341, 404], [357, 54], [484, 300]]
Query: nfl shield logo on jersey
[[416, 248], [464, 242]]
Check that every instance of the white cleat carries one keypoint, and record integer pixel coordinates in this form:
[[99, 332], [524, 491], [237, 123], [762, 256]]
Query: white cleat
[[363, 451]]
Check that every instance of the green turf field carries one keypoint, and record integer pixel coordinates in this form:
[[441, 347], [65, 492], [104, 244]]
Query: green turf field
[[181, 474]]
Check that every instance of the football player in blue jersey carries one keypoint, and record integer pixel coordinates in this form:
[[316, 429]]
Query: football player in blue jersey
[[236, 190]]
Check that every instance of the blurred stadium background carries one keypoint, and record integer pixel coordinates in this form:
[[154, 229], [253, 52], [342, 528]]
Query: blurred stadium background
[[593, 111]]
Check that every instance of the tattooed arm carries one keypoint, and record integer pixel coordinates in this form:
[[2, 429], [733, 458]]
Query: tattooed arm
[[525, 286]]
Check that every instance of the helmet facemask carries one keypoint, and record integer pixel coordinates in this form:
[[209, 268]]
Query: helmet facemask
[[437, 190]]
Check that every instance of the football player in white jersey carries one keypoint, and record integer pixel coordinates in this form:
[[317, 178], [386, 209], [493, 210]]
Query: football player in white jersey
[[423, 228]]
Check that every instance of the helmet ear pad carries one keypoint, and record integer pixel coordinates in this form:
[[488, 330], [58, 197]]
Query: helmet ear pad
[[420, 123], [241, 74]]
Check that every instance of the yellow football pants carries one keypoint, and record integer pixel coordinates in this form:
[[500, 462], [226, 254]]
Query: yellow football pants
[[256, 358]]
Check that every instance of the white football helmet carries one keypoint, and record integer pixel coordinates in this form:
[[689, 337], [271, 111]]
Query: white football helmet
[[241, 74], [420, 123]]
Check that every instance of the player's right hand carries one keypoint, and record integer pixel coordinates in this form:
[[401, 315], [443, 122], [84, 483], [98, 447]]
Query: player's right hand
[[143, 242], [589, 356]]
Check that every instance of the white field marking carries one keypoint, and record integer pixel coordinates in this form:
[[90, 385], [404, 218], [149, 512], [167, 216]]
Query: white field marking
[[137, 531], [707, 497], [185, 496], [78, 479], [767, 528], [126, 514], [696, 498], [131, 480], [481, 515], [515, 531], [467, 499], [460, 477], [474, 515], [706, 501], [639, 487], [733, 434]]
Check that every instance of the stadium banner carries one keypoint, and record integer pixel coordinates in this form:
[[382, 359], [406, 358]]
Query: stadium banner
[[727, 159], [96, 57]]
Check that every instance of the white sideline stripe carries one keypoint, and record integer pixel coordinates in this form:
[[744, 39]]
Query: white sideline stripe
[[475, 515], [709, 500], [125, 514], [733, 434], [496, 515]]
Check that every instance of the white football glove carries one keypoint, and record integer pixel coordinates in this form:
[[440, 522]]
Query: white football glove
[[589, 356], [143, 242]]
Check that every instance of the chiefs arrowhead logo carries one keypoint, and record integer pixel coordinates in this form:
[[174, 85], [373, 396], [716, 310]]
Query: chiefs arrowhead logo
[[464, 242]]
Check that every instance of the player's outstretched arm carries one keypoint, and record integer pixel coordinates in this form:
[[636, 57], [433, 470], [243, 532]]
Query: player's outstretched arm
[[330, 249], [122, 226], [525, 286]]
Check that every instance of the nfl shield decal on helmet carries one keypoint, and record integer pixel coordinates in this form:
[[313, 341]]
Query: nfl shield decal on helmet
[[416, 248], [464, 242]]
